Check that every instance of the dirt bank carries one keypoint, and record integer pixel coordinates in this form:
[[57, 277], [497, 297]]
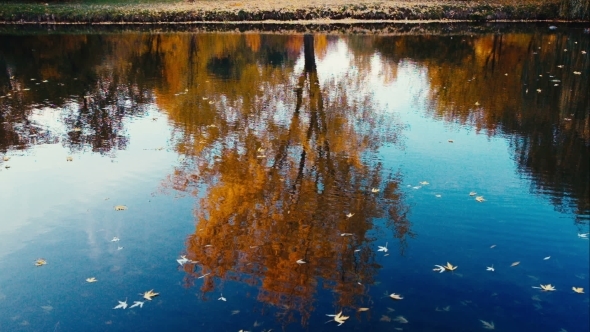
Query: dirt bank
[[282, 11]]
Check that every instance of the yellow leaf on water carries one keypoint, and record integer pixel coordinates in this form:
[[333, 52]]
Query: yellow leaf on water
[[578, 290], [362, 309], [149, 294]]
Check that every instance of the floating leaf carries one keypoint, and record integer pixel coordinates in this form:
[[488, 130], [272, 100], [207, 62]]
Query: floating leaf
[[137, 304], [486, 325], [93, 279], [450, 267], [396, 296], [120, 207], [546, 288], [121, 305], [578, 290], [362, 309], [40, 262], [339, 318], [401, 319], [149, 294], [514, 264], [385, 318], [439, 268]]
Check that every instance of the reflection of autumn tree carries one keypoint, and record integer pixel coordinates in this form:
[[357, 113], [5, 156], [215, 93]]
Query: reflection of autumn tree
[[90, 79], [278, 162], [491, 82]]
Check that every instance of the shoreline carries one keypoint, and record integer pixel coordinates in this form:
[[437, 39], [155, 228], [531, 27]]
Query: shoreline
[[357, 28], [320, 12]]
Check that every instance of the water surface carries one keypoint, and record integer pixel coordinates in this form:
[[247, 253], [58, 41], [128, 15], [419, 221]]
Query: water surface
[[249, 152]]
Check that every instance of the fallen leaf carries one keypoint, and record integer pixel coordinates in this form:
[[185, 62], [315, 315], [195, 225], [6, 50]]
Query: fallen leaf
[[40, 262], [362, 309], [396, 296], [121, 305], [137, 304], [149, 294], [578, 290], [486, 325], [450, 267], [546, 288], [514, 264], [93, 279], [120, 207], [401, 319]]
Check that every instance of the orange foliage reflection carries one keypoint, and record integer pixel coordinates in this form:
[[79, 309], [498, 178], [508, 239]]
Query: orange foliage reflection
[[278, 163]]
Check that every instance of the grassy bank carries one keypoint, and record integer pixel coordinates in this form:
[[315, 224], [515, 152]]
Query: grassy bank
[[165, 11]]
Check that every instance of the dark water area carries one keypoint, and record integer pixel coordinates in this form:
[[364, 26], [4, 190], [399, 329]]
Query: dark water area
[[261, 181]]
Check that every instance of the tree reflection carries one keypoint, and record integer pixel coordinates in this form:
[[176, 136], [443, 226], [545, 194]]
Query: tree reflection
[[71, 76], [544, 111], [276, 176]]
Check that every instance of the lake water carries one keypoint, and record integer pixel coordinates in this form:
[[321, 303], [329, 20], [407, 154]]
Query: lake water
[[300, 175]]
